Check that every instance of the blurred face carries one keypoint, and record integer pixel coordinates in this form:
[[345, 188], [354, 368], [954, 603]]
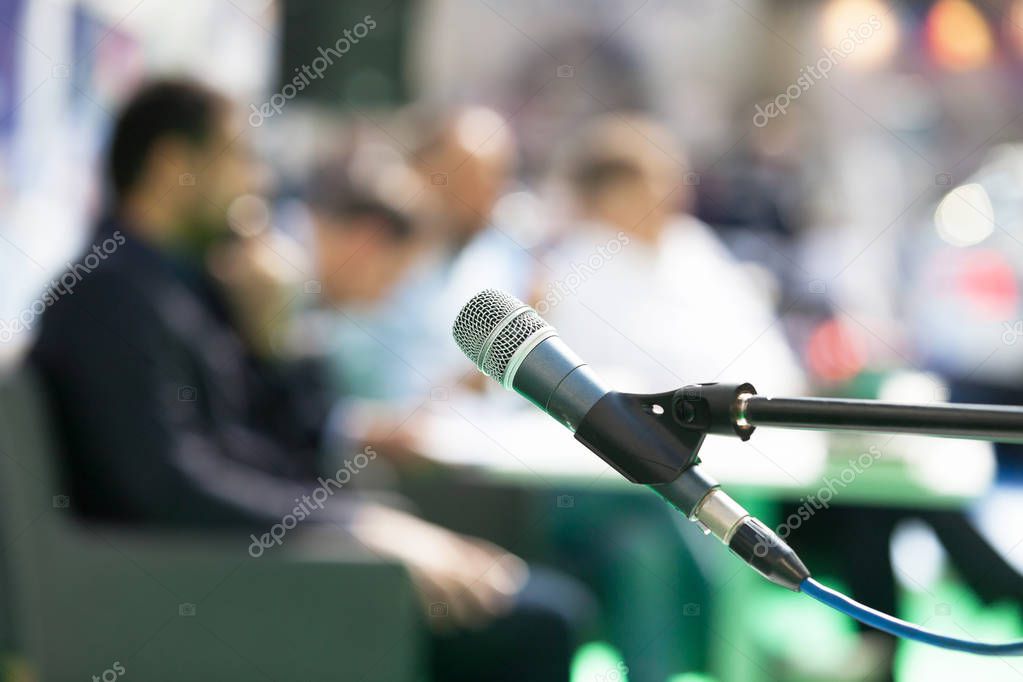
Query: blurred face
[[357, 261], [473, 189], [470, 169], [225, 169], [641, 205], [203, 179]]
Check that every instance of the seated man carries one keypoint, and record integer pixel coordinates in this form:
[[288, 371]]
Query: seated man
[[174, 411]]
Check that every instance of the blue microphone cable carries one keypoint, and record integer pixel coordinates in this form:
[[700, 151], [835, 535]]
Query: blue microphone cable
[[901, 628], [756, 544]]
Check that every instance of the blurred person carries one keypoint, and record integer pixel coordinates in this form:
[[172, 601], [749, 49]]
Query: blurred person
[[366, 236], [465, 161], [467, 156], [652, 298], [364, 243], [171, 413], [670, 302]]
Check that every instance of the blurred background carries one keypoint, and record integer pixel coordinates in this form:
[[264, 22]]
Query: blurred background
[[821, 198]]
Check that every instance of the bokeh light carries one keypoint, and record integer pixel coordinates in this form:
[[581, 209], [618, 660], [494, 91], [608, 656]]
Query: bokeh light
[[965, 216], [871, 24], [958, 36]]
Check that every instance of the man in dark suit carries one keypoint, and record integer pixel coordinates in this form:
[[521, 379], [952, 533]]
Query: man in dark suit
[[174, 408]]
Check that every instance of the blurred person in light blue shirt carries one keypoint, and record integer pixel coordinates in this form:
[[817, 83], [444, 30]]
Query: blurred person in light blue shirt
[[465, 161]]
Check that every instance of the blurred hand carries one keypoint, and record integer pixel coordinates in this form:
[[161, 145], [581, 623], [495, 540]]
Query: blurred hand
[[401, 444], [261, 276], [468, 580], [395, 437]]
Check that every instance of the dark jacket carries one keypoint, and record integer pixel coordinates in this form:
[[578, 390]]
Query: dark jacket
[[163, 414]]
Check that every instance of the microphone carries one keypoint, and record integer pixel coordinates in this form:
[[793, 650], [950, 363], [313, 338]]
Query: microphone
[[654, 439], [635, 434]]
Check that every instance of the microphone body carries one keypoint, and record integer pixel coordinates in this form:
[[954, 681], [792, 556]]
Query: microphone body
[[635, 434], [557, 381]]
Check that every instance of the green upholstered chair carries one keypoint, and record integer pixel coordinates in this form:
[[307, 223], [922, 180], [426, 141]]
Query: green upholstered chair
[[86, 600]]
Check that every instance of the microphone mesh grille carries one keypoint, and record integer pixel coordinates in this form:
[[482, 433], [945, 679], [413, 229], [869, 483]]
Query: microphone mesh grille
[[486, 313], [496, 362]]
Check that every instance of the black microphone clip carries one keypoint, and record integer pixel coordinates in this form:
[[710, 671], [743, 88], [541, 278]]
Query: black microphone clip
[[651, 438]]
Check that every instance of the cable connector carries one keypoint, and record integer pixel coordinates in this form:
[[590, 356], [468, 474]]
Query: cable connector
[[761, 548], [702, 500]]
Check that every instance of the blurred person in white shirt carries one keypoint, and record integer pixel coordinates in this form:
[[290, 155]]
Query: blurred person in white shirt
[[643, 290], [651, 298]]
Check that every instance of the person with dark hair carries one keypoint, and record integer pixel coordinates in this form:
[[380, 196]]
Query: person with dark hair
[[365, 240], [173, 410], [182, 108], [463, 162]]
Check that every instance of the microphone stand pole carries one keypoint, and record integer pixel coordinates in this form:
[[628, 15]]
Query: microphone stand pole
[[736, 409], [984, 422]]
